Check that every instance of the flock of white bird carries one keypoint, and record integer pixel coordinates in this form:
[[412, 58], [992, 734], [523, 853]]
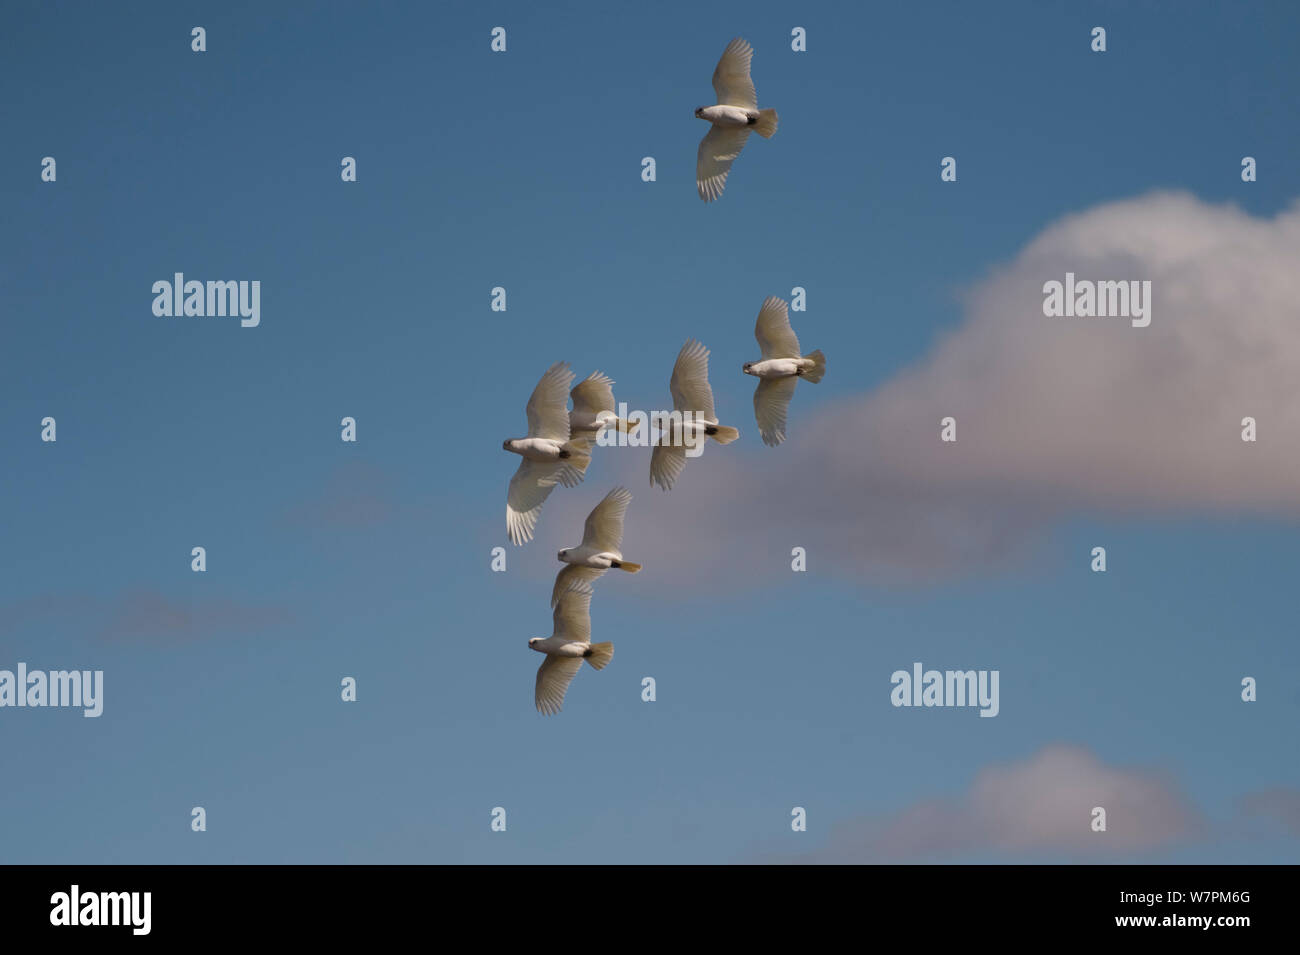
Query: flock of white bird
[[559, 443]]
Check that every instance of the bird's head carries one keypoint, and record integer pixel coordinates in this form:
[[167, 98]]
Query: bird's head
[[699, 112], [561, 554], [747, 367], [505, 445], [533, 642]]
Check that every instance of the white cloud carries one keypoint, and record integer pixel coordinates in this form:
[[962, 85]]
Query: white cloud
[[1054, 415], [1041, 805]]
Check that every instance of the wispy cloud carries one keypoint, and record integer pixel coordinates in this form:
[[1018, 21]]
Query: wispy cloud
[[1041, 805], [1281, 805], [142, 616], [149, 616]]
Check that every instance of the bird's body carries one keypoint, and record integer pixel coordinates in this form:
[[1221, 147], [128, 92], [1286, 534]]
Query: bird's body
[[560, 647], [539, 449], [779, 368], [732, 116], [694, 420], [591, 422], [687, 428], [731, 120], [566, 648], [549, 457], [602, 538], [591, 557]]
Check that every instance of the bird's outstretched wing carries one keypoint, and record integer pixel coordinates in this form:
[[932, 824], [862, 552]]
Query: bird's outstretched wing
[[571, 574], [718, 150], [775, 336], [572, 614], [771, 402], [548, 408], [690, 381], [594, 394], [529, 488], [731, 80], [553, 679], [604, 527], [666, 464]]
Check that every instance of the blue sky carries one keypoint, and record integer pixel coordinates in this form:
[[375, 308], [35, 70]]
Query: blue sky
[[371, 560]]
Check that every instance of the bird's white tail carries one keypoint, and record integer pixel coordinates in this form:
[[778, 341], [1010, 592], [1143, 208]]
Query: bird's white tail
[[814, 374], [601, 654], [723, 434], [627, 565], [766, 124]]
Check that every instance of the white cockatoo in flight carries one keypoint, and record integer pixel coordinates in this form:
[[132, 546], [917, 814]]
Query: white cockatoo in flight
[[602, 536], [735, 114], [781, 366], [567, 647], [593, 412], [549, 457], [697, 422]]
